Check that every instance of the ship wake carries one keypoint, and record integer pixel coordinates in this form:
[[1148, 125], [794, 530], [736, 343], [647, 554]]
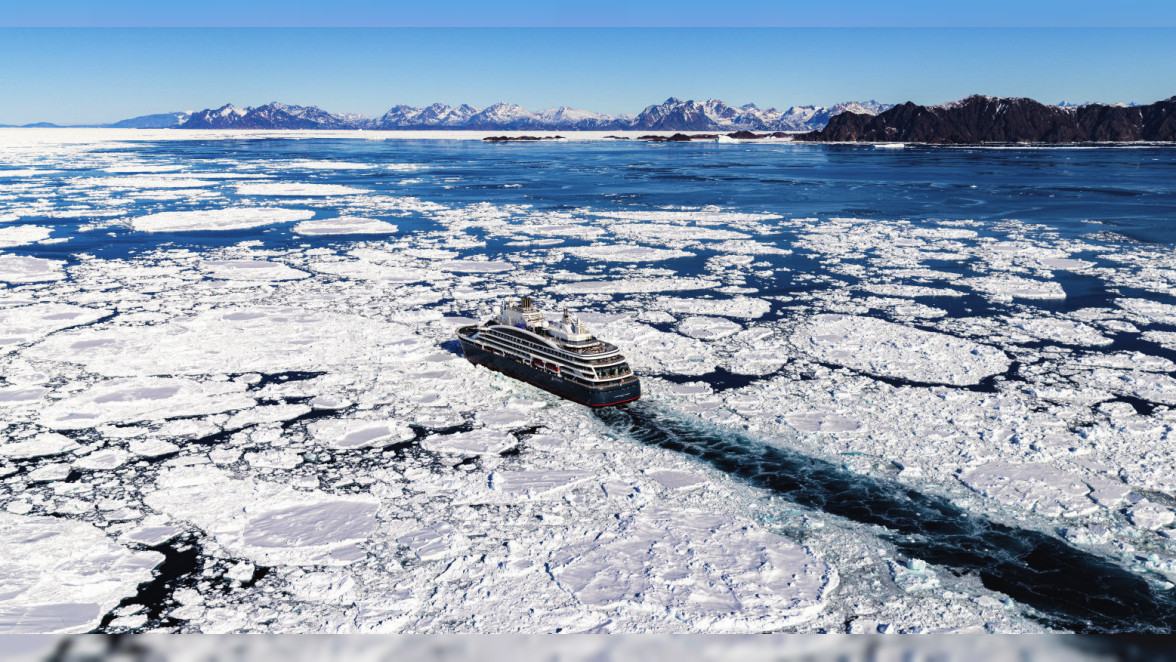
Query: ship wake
[[1067, 588]]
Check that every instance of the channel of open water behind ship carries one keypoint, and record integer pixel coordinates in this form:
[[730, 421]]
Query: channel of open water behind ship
[[1069, 588]]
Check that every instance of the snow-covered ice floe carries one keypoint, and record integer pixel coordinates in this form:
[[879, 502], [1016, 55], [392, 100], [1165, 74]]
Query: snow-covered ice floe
[[63, 576], [268, 523], [23, 269], [345, 225], [700, 568], [236, 218], [297, 189], [19, 235], [893, 350]]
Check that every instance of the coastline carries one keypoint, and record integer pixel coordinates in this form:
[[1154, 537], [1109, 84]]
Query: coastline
[[17, 135]]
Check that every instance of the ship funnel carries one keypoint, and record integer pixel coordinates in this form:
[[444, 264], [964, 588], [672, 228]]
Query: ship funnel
[[526, 303]]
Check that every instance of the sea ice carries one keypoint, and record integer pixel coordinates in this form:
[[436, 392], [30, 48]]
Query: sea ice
[[883, 348], [914, 575], [822, 420], [14, 396], [251, 270], [741, 307], [474, 266], [1067, 332], [19, 235], [704, 570], [1154, 311], [297, 189], [475, 442], [625, 253], [671, 233], [708, 328], [23, 269], [675, 479], [435, 542], [46, 443], [267, 523], [634, 285], [235, 339], [350, 433], [345, 225], [1150, 515], [651, 350], [237, 218], [1150, 386], [143, 399], [909, 291], [62, 576], [25, 324], [1005, 287], [1036, 487], [103, 460], [1166, 339], [535, 483]]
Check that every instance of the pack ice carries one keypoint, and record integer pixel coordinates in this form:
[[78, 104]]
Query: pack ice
[[892, 350]]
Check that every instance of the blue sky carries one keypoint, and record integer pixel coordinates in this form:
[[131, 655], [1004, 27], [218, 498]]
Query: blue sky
[[596, 13], [80, 75]]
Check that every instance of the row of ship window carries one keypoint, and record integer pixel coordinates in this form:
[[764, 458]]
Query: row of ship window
[[618, 370], [545, 348]]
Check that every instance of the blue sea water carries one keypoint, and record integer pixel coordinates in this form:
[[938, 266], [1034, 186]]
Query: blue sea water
[[1076, 191]]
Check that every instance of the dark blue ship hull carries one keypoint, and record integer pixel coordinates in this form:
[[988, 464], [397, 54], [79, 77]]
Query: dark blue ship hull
[[603, 397]]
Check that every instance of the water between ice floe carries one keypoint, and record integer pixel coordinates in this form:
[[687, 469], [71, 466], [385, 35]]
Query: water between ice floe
[[1070, 589]]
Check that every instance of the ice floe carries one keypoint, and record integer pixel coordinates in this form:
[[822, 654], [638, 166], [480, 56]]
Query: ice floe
[[536, 483], [893, 350], [1152, 311], [697, 568], [1035, 487], [634, 285], [46, 443], [293, 189], [19, 235], [476, 442], [143, 399], [23, 269], [1067, 332], [251, 270], [625, 253], [739, 306], [25, 324], [358, 433], [63, 576], [1150, 515], [345, 225], [268, 523], [1006, 287], [236, 218], [235, 339], [708, 328]]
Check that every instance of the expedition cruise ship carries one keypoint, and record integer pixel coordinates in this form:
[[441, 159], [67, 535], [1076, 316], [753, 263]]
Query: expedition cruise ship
[[562, 358]]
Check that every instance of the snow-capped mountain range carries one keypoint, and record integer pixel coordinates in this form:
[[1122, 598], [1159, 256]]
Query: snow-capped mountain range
[[671, 115]]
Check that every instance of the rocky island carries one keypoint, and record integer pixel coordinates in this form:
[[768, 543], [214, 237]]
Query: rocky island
[[981, 119]]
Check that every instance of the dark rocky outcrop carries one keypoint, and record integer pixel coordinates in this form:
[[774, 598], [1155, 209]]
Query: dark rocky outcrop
[[678, 137], [980, 119], [511, 139]]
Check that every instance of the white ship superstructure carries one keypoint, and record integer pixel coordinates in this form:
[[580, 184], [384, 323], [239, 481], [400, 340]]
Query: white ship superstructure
[[573, 362]]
